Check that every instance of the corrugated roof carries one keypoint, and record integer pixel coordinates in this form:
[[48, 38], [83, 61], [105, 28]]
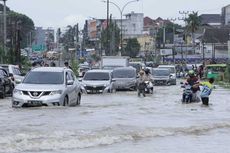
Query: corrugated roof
[[216, 35], [210, 18]]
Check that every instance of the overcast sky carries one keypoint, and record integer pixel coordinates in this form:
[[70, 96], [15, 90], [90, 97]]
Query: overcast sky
[[60, 13]]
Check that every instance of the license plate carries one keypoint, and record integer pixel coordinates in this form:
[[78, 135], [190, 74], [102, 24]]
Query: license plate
[[33, 102]]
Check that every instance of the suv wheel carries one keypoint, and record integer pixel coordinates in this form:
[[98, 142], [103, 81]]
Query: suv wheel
[[3, 94], [79, 99], [65, 102]]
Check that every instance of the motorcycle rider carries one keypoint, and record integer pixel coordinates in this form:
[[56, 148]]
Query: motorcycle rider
[[149, 79], [192, 80], [141, 83], [148, 75]]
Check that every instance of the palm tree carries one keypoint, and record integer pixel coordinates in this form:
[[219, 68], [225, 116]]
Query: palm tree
[[193, 24]]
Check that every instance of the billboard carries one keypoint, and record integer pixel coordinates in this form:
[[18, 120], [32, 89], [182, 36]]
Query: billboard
[[164, 52]]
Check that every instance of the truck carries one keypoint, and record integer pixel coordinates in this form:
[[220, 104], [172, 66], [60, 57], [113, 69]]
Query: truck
[[111, 62]]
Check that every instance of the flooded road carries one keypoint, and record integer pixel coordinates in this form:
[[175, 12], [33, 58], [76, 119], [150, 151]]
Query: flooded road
[[120, 122]]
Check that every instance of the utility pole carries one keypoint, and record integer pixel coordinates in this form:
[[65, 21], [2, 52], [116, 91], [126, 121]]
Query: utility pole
[[107, 32], [184, 17], [18, 42], [121, 10], [173, 50], [4, 30], [164, 36]]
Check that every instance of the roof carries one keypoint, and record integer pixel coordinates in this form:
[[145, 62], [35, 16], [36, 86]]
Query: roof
[[125, 68], [165, 66], [48, 69], [216, 35], [99, 71], [210, 18]]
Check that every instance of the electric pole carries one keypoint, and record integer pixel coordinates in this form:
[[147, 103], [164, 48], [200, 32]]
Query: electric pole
[[107, 32]]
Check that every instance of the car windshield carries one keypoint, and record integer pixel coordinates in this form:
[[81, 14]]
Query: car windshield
[[161, 73], [44, 78], [110, 67], [171, 69], [96, 76], [124, 74]]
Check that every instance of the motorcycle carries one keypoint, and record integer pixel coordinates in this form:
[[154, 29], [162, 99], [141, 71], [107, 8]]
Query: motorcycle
[[149, 87], [188, 95]]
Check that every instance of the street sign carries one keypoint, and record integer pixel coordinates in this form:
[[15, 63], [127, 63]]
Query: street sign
[[39, 48], [164, 52]]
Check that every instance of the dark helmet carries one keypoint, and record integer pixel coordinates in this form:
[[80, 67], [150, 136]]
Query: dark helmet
[[147, 71], [66, 63]]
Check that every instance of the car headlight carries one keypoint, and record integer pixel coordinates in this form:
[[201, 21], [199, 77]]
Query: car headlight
[[56, 92], [16, 91], [18, 81], [105, 85], [172, 77]]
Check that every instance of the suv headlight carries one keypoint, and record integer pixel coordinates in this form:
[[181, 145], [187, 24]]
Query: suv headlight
[[172, 77], [56, 92], [106, 85], [18, 81], [16, 91]]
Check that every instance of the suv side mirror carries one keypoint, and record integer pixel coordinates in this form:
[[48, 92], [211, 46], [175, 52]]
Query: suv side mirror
[[11, 75], [23, 74], [70, 82]]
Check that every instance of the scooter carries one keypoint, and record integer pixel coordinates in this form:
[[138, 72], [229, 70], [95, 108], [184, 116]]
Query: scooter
[[148, 87], [188, 95]]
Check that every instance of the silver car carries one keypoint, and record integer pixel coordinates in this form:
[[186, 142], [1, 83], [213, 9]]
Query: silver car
[[172, 70], [124, 78], [97, 81], [161, 76], [47, 86]]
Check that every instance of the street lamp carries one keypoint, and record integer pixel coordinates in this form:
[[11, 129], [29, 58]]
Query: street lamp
[[121, 10]]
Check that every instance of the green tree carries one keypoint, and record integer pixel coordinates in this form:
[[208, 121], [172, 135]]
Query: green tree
[[75, 66], [114, 39], [19, 28], [168, 33], [132, 48], [193, 24]]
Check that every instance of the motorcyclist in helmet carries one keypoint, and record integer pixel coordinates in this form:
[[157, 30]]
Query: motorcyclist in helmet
[[148, 75], [192, 80]]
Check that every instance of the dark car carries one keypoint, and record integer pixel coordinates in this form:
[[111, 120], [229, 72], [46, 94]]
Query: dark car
[[124, 78], [5, 83], [161, 76]]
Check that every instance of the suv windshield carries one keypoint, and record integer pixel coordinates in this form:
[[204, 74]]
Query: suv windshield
[[124, 74], [96, 76], [44, 78], [161, 73], [171, 69]]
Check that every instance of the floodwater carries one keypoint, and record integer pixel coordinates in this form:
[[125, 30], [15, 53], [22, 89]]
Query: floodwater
[[120, 123]]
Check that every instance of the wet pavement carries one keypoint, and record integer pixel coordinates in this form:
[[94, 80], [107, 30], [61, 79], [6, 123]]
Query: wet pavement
[[120, 122]]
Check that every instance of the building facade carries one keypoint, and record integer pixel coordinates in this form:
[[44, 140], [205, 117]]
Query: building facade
[[132, 25], [226, 15], [43, 40]]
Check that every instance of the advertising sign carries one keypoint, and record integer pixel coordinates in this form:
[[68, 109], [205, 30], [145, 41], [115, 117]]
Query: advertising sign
[[164, 52]]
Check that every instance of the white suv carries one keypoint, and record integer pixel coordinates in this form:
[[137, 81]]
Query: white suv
[[47, 86]]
